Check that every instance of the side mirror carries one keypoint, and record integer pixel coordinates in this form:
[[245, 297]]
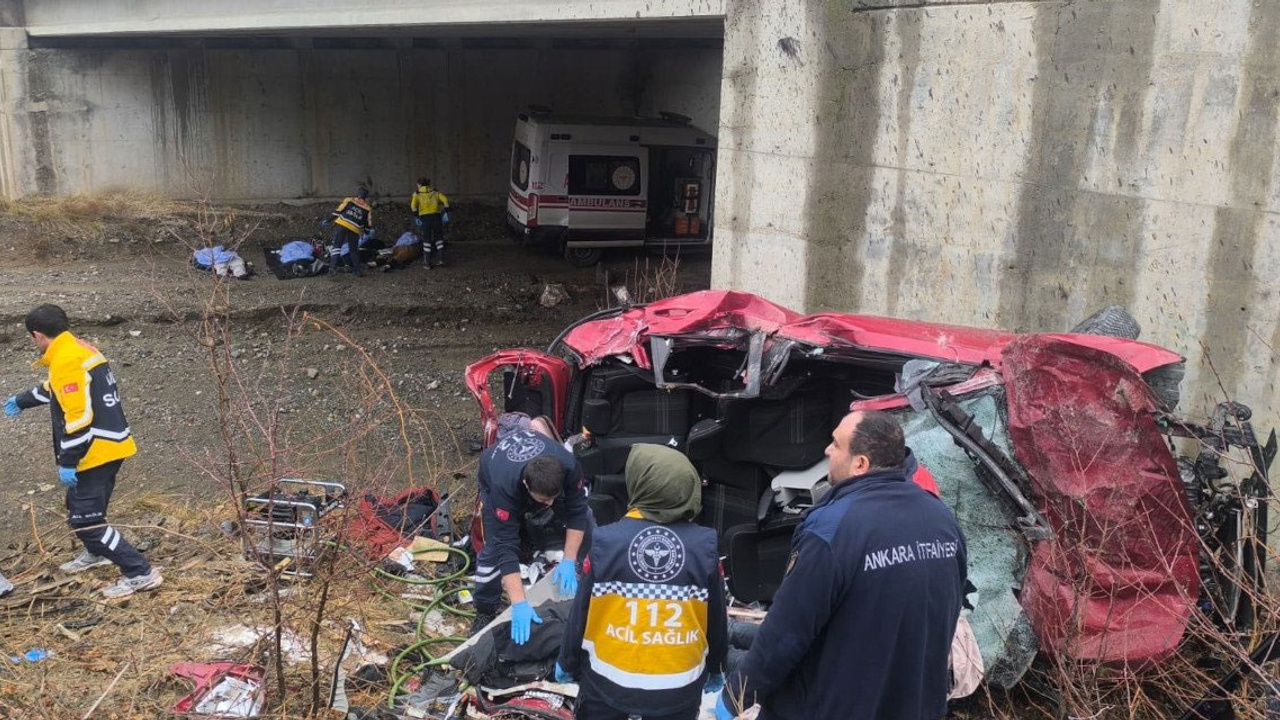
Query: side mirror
[[704, 439]]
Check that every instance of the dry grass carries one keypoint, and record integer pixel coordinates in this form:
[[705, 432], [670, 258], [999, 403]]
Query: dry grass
[[209, 585], [84, 216]]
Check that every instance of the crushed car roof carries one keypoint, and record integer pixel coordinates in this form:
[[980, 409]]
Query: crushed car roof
[[626, 332]]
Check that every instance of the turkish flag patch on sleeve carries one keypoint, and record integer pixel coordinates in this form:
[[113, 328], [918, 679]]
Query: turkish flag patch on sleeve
[[73, 387], [503, 515]]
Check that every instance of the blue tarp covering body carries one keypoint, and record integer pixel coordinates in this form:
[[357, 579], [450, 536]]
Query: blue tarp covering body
[[216, 255], [296, 250]]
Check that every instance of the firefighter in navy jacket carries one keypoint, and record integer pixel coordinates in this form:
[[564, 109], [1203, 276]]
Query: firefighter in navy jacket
[[861, 627], [648, 628], [91, 439], [526, 480]]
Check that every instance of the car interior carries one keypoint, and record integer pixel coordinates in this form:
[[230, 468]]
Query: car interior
[[741, 446]]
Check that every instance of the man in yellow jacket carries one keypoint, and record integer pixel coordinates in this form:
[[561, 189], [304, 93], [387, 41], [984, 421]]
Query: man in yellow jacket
[[91, 439], [430, 206]]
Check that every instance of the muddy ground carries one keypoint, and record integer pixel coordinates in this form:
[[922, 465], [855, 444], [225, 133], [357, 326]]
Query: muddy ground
[[129, 289]]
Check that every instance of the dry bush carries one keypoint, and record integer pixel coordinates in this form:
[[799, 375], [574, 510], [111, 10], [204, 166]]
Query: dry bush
[[654, 279]]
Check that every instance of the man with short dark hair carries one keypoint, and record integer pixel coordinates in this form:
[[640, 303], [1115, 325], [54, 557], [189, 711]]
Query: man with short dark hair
[[91, 439], [529, 487], [861, 627]]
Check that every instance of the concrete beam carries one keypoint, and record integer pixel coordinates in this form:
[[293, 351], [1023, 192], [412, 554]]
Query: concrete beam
[[86, 18]]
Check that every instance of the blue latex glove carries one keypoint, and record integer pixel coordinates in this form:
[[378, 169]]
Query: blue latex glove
[[562, 676], [67, 476], [444, 218], [565, 577], [11, 406], [522, 613], [715, 683], [722, 709]]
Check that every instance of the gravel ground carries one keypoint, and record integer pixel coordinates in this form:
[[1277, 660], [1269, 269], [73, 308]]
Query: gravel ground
[[130, 290]]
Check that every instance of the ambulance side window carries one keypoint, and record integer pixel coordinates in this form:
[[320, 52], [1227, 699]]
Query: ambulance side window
[[604, 175]]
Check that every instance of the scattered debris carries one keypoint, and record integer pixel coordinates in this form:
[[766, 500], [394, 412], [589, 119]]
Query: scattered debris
[[313, 373], [234, 639], [33, 655], [222, 689], [433, 385], [135, 333], [553, 294], [403, 559]]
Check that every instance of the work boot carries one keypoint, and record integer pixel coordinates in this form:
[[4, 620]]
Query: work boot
[[481, 621], [128, 586], [85, 561]]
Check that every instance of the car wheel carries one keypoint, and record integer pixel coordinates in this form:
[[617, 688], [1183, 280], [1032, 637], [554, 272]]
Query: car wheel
[[1111, 321], [583, 257]]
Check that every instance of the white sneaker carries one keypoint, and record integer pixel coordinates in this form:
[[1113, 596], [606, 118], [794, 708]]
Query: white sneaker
[[128, 586], [85, 561]]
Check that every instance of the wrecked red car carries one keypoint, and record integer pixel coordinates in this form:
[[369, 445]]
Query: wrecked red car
[[1090, 535]]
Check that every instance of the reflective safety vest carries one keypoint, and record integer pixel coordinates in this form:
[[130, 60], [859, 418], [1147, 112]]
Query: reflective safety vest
[[655, 620], [89, 427], [354, 214], [428, 201]]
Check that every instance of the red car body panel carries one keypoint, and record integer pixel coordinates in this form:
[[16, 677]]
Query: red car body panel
[[712, 310], [1118, 582], [534, 364]]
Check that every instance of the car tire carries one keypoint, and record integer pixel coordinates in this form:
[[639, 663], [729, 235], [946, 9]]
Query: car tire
[[1111, 321], [583, 257]]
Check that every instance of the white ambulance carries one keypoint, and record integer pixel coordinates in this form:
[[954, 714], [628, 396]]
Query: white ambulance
[[587, 184]]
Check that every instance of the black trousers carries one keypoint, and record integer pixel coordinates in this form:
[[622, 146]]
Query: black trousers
[[87, 515], [595, 708], [343, 236], [433, 236]]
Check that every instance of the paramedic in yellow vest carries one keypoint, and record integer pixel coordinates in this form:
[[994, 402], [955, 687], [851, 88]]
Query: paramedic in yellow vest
[[353, 218], [648, 630], [91, 439], [430, 206]]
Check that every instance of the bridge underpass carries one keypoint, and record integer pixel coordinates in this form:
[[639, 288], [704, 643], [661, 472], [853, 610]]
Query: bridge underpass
[[308, 101]]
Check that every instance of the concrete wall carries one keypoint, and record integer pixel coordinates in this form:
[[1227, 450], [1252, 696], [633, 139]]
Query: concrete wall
[[300, 122], [1014, 164]]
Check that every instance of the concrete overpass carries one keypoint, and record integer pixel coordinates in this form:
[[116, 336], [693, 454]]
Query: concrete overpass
[[1013, 163], [97, 18]]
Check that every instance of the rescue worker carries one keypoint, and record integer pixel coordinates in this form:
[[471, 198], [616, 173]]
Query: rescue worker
[[649, 628], [430, 206], [528, 485], [91, 439], [861, 627], [353, 218]]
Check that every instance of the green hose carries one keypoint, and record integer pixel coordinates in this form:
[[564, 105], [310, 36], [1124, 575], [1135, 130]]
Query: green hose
[[442, 594], [398, 679]]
